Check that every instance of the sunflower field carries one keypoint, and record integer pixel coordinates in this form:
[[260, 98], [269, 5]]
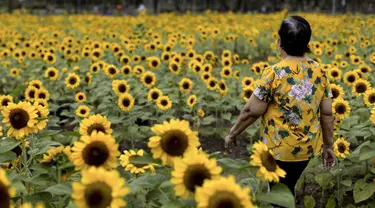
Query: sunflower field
[[108, 111]]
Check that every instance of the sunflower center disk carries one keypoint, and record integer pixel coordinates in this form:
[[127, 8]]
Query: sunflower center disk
[[195, 176], [4, 196], [223, 199], [148, 80], [72, 81], [174, 142], [122, 88], [95, 154], [268, 161], [371, 99], [96, 127], [98, 195], [340, 109], [155, 96], [186, 85], [5, 102], [19, 118], [341, 147], [164, 102], [248, 93], [361, 88], [126, 102], [335, 93]]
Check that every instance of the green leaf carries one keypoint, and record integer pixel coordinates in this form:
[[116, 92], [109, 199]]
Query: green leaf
[[173, 204], [8, 145], [59, 189], [250, 182], [346, 182], [226, 116], [208, 120], [331, 202], [309, 201], [146, 181], [279, 195], [20, 188], [7, 156], [142, 160], [230, 163], [362, 190], [323, 179], [366, 153]]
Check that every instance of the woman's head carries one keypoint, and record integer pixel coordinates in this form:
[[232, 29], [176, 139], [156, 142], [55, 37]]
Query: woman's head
[[295, 33]]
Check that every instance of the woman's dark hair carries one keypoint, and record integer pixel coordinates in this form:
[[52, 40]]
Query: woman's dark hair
[[295, 33]]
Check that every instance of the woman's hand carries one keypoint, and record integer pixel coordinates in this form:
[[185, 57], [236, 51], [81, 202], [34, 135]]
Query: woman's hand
[[229, 142], [329, 157]]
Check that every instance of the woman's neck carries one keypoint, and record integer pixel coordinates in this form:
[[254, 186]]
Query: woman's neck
[[296, 58]]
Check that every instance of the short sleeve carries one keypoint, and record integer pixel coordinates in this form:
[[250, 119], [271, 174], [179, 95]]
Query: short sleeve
[[264, 85], [327, 86]]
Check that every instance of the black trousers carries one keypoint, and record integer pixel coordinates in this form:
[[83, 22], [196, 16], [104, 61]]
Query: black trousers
[[293, 172]]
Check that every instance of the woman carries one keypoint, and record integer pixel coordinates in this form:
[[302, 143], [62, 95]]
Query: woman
[[294, 100]]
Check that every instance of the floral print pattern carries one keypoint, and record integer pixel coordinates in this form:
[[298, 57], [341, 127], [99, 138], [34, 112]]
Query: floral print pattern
[[291, 125]]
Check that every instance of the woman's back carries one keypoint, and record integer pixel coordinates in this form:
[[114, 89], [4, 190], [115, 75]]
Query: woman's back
[[291, 125]]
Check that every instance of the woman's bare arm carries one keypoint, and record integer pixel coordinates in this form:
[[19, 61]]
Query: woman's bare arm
[[253, 109], [326, 122]]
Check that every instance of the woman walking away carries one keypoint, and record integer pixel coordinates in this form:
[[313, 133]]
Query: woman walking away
[[294, 100]]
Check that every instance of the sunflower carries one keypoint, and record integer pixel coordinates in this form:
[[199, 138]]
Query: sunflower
[[95, 123], [55, 152], [265, 159], [72, 80], [174, 67], [212, 84], [223, 88], [334, 73], [153, 62], [197, 67], [205, 76], [341, 108], [191, 101], [148, 79], [126, 102], [223, 192], [126, 70], [365, 69], [42, 94], [356, 60], [138, 70], [164, 103], [120, 87], [94, 68], [247, 81], [30, 93], [80, 97], [7, 192], [236, 74], [173, 139], [154, 94], [207, 68], [350, 77], [29, 205], [49, 58], [124, 59], [83, 111], [100, 188], [226, 72], [98, 149], [126, 162], [20, 119], [136, 59], [256, 68], [360, 86], [186, 85], [97, 54], [190, 173], [42, 102], [369, 97], [337, 91], [15, 72], [341, 148], [208, 55], [52, 73], [372, 117], [42, 119], [36, 83], [226, 62], [111, 71], [201, 113]]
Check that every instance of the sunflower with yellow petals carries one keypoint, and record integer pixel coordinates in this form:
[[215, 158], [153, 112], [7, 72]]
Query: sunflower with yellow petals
[[6, 190], [265, 159], [154, 94], [42, 119], [186, 85], [337, 91], [55, 152], [126, 102], [95, 123], [111, 71], [369, 97], [341, 108], [148, 79], [191, 101], [247, 81], [223, 192], [190, 173], [126, 162], [36, 83], [173, 140], [42, 94], [83, 111], [334, 73], [100, 188], [350, 77], [226, 72], [164, 103], [120, 87], [20, 119], [29, 205], [360, 87], [80, 97], [15, 72], [174, 67], [98, 149], [51, 73], [212, 83], [30, 93], [72, 80], [5, 100], [341, 148]]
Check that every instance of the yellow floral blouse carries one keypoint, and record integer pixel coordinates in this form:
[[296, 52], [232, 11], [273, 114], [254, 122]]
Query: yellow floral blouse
[[291, 125]]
